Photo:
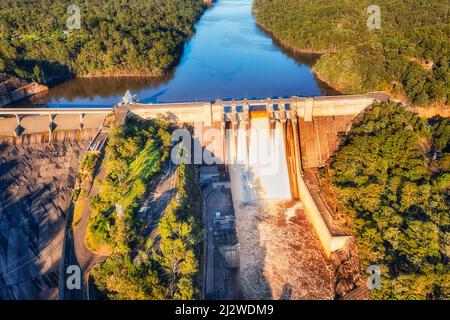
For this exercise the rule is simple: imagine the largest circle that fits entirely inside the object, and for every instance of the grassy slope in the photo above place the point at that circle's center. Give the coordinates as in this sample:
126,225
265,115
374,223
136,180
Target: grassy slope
142,168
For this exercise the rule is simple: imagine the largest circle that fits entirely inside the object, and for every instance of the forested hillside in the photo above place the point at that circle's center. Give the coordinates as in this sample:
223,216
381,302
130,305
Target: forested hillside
140,269
130,37
409,55
391,176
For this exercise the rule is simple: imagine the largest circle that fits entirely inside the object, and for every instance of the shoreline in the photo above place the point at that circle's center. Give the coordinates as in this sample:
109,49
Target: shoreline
150,74
305,52
286,45
26,91
429,111
337,88
126,74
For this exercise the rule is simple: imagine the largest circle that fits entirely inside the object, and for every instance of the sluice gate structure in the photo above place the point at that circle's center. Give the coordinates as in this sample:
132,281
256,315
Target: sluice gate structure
303,134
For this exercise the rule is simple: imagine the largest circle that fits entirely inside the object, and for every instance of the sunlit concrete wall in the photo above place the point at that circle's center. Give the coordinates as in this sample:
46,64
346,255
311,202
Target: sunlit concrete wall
32,124
304,108
329,242
307,108
191,112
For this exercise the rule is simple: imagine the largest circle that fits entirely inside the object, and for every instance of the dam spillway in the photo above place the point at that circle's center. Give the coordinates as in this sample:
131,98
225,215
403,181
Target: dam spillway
258,167
272,149
311,130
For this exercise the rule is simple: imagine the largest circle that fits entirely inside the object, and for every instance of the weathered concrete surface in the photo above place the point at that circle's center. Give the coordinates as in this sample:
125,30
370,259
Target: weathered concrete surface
32,124
36,184
281,260
331,237
43,138
305,108
320,138
312,129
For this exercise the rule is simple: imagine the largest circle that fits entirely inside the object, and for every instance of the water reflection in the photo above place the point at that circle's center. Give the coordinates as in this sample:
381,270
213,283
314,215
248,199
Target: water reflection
229,57
96,91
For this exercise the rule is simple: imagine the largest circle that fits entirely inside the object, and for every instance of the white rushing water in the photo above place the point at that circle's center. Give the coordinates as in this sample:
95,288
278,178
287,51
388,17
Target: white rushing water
258,171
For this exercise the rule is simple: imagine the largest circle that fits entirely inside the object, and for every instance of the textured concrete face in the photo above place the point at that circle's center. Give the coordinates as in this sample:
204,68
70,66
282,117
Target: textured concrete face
36,184
320,137
305,108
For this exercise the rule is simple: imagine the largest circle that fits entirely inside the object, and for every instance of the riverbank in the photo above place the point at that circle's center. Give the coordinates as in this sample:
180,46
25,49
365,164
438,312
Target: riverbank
228,58
312,54
126,74
428,111
13,89
354,58
114,39
286,45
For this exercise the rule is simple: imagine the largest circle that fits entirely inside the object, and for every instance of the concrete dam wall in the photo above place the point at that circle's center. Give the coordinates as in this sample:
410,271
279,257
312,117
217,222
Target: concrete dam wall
40,156
36,185
31,139
311,131
41,151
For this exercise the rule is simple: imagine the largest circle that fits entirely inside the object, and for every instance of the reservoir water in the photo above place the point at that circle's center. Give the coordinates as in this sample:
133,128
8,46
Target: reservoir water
229,57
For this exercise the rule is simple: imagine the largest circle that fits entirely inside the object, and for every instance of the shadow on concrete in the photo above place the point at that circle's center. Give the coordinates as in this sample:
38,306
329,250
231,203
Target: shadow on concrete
36,184
30,243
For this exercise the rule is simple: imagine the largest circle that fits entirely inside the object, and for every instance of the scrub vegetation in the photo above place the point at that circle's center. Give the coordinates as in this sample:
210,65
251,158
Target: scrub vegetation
86,175
391,176
136,153
143,264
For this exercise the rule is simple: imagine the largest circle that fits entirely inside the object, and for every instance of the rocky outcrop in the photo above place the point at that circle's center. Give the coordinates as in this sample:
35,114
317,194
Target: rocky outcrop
14,89
347,270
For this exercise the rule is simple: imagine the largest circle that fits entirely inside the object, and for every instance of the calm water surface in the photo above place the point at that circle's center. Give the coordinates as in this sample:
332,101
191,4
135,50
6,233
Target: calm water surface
229,57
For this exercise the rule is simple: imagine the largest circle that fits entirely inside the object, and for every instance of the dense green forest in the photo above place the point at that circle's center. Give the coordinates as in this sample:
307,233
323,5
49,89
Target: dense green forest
126,37
145,265
136,154
409,55
392,176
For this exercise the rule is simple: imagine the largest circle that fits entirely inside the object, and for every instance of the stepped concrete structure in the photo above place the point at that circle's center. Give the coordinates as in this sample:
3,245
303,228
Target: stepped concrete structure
40,154
36,186
19,123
